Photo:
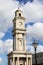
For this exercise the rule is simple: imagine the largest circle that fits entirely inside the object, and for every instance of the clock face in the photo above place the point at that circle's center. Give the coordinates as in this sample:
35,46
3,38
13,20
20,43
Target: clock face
20,23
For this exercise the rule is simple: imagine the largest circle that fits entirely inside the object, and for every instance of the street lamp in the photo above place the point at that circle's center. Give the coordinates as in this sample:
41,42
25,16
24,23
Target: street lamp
35,46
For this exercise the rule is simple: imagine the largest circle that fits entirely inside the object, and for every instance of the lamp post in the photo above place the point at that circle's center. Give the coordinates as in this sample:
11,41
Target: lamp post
35,46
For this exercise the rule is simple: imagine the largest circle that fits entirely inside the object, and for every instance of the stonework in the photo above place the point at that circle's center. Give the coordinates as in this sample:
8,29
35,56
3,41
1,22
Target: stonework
19,56
39,58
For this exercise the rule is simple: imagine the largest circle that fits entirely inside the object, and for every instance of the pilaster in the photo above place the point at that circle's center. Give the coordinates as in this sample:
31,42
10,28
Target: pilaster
8,61
13,61
27,61
31,61
17,60
25,42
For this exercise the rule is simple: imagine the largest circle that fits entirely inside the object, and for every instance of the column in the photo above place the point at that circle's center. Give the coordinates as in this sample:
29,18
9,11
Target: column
13,61
24,42
26,61
13,42
17,60
8,61
30,61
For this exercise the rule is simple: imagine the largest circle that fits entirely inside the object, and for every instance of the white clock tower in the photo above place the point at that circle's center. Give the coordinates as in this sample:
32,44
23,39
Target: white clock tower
19,32
19,56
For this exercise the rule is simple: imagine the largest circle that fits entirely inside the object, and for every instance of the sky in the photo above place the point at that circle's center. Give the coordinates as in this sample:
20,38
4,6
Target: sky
33,12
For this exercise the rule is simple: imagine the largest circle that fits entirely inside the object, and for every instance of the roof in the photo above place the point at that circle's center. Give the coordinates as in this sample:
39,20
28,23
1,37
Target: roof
19,9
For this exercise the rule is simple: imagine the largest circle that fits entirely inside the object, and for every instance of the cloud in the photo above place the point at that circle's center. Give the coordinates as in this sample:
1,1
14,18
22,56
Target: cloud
32,11
1,34
6,46
1,46
31,49
40,48
1,43
41,1
35,31
7,9
0,59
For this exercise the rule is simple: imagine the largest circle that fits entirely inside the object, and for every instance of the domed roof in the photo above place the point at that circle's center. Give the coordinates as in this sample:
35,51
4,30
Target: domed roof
19,9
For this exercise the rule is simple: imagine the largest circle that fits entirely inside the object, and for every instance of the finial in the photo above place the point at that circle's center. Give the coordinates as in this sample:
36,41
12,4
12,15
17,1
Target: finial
19,6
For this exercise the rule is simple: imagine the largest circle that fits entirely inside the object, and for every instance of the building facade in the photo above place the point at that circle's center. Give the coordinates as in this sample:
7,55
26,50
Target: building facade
39,58
19,56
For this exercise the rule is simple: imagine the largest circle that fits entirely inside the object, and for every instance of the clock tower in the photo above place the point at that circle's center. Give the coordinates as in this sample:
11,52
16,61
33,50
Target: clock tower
19,55
19,32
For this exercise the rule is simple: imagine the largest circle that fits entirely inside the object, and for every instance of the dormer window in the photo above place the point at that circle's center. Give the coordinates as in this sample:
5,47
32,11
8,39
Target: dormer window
19,14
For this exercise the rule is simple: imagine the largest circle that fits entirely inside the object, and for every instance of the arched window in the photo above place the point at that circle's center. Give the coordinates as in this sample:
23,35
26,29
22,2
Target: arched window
19,14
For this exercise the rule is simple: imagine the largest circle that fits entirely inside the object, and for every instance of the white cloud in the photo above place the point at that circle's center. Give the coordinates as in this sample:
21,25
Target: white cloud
1,43
35,31
40,48
6,46
8,42
32,11
31,49
1,35
0,59
41,1
7,9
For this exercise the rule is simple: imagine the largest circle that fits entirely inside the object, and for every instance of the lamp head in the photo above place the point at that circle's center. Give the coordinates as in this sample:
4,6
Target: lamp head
35,44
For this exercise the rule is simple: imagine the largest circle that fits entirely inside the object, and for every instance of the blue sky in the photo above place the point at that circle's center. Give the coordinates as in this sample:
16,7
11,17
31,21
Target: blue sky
33,12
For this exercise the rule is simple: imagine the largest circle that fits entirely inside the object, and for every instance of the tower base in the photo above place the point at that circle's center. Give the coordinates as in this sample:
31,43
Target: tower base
19,58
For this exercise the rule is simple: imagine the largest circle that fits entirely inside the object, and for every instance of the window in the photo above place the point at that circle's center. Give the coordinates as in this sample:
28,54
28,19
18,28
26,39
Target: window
21,64
19,14
40,55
